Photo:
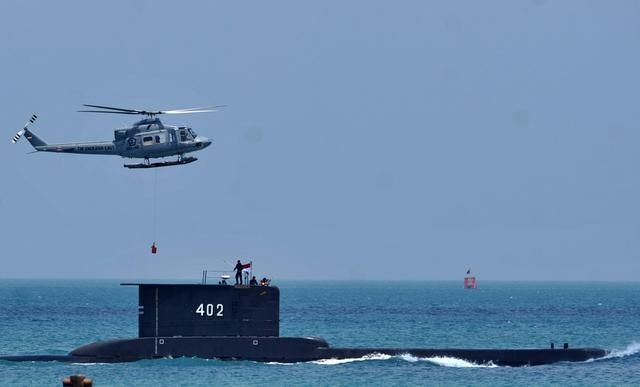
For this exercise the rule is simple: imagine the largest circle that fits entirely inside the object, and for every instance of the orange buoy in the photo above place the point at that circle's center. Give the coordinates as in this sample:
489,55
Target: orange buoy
154,248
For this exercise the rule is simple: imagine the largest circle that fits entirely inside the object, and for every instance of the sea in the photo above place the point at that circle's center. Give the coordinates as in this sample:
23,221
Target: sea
55,316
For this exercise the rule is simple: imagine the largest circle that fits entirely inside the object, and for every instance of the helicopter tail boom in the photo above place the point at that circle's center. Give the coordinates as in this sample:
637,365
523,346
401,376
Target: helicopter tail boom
34,140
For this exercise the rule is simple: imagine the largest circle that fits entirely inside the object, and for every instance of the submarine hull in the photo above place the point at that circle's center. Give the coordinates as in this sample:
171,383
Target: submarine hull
500,357
265,349
242,322
293,350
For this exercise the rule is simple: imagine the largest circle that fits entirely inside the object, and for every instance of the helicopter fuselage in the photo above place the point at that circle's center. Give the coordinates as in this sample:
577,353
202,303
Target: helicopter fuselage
146,139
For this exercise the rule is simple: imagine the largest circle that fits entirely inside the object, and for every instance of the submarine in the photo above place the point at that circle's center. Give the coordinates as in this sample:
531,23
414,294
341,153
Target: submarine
219,321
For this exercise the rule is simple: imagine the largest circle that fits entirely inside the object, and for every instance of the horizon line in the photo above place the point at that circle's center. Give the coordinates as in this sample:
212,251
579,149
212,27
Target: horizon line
318,279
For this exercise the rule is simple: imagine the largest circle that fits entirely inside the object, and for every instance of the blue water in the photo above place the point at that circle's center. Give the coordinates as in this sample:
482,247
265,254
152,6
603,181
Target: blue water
53,317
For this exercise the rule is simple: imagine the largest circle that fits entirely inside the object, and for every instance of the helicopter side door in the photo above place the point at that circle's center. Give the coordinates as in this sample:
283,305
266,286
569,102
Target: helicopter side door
156,144
173,140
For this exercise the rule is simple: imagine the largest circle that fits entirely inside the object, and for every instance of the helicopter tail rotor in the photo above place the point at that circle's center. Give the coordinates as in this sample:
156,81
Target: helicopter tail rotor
24,128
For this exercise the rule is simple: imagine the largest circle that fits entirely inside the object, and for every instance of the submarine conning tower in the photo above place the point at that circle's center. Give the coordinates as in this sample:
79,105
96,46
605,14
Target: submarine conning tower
174,310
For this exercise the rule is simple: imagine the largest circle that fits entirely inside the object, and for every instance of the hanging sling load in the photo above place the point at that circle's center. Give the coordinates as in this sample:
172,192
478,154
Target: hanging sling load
154,247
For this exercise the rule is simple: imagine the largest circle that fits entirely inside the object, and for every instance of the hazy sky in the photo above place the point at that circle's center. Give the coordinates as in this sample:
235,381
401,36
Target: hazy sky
362,139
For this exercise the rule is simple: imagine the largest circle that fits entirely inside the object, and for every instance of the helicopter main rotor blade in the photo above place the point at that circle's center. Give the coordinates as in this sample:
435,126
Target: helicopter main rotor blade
202,107
206,109
105,111
115,110
135,111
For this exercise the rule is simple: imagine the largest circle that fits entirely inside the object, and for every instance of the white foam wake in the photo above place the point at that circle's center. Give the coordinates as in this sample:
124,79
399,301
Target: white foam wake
279,363
373,356
436,360
445,361
631,349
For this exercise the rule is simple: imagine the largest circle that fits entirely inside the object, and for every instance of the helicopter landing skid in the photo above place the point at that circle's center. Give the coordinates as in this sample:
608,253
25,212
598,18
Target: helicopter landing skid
181,161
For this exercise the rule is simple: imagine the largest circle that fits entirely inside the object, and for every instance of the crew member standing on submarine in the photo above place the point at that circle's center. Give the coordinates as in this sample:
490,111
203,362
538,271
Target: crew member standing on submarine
238,270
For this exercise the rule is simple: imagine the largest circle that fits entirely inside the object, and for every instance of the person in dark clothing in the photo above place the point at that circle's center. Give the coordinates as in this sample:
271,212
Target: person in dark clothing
254,281
238,270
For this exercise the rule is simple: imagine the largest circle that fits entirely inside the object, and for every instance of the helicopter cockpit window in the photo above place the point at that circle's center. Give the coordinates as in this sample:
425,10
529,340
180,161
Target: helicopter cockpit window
183,135
193,134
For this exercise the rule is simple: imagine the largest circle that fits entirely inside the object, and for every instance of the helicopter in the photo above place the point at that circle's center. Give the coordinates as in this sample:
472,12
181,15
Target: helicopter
145,139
